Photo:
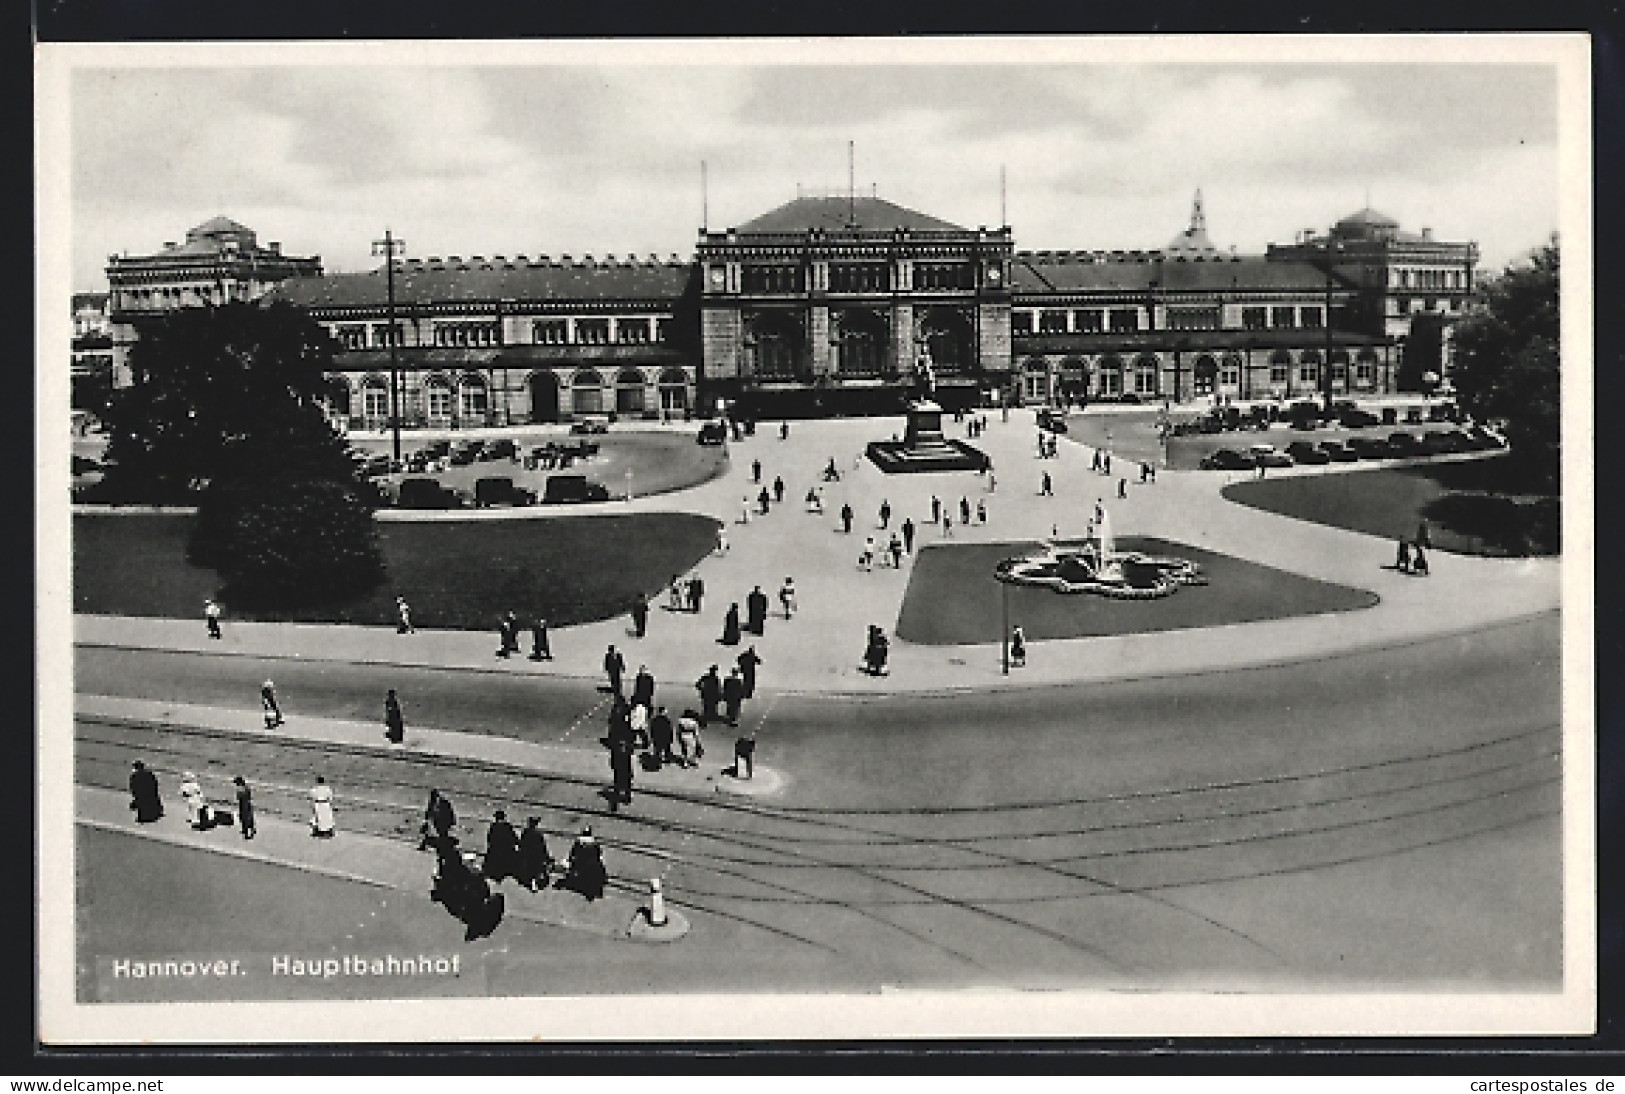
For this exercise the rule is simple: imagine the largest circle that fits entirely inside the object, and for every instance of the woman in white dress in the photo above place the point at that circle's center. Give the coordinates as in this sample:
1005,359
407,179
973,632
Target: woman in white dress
321,809
192,795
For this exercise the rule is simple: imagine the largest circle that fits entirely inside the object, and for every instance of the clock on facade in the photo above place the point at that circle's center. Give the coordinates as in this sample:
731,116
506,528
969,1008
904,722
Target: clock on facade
993,275
717,276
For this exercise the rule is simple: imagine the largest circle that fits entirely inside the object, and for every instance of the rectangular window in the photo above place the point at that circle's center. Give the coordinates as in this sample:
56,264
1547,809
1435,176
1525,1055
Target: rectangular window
860,277
1278,372
1283,317
1052,322
662,330
550,332
351,336
1254,318
1229,375
1021,322
632,332
940,275
467,334
1091,320
1193,318
1310,318
592,332
1362,372
1125,319
380,335
1308,373
772,279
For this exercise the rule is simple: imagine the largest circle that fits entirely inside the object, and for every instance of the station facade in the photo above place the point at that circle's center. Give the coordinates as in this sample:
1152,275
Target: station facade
839,304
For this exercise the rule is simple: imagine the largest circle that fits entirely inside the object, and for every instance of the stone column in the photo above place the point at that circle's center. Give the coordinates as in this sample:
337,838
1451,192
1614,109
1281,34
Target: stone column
903,351
821,353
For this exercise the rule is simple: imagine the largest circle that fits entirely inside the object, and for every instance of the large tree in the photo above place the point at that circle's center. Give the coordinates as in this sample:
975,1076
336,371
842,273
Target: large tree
1507,359
226,413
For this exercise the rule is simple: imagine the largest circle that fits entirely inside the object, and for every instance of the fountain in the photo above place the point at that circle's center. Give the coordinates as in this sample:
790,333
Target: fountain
1094,565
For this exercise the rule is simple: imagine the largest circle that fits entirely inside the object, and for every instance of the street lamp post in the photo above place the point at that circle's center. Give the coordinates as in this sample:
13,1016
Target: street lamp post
1326,365
1004,625
389,246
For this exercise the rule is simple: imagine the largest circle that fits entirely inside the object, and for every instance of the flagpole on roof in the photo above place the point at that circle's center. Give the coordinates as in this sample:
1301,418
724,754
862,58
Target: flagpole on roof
851,185
705,200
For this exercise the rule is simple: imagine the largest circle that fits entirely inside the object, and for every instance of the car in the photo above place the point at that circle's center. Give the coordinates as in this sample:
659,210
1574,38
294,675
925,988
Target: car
1404,444
563,489
1369,448
1355,418
501,491
466,453
590,425
1484,440
503,448
1272,458
1338,452
713,433
427,494
376,465
1052,420
437,450
1307,453
1227,459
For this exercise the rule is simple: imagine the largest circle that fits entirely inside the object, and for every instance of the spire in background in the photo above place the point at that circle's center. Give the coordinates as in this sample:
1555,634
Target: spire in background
1193,240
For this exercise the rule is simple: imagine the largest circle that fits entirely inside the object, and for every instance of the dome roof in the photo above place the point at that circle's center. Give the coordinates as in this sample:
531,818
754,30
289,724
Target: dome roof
1368,218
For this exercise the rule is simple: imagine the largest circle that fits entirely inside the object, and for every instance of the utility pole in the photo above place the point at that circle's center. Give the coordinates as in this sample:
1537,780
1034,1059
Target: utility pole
389,246
1326,368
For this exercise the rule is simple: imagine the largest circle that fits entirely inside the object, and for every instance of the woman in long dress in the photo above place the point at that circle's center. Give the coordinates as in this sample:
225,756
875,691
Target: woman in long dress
144,797
322,824
730,626
192,795
394,722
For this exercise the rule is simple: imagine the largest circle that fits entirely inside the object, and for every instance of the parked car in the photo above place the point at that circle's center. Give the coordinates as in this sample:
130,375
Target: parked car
1052,420
572,488
1369,448
1267,455
1306,452
1404,444
714,432
592,423
1338,452
427,494
502,449
437,450
466,453
375,465
1227,459
1355,418
501,491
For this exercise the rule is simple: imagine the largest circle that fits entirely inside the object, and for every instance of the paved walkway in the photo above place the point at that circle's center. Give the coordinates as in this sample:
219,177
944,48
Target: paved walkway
820,648
374,860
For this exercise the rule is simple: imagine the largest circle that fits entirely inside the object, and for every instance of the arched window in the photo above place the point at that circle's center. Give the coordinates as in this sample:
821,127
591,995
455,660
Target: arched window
1280,367
673,390
1110,382
1309,367
587,392
437,402
375,402
629,391
1205,373
473,399
1147,369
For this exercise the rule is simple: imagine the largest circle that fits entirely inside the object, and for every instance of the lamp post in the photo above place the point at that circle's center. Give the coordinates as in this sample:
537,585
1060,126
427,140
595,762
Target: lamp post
389,246
1004,626
1326,365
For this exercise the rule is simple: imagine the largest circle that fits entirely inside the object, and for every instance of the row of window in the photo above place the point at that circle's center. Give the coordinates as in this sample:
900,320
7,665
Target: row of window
1431,279
1127,320
1403,304
547,332
856,277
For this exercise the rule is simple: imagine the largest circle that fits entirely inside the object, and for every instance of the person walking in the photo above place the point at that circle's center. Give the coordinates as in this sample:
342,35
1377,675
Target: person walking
733,696
1402,558
1122,488
1018,648
1094,461
787,597
730,626
403,617
981,511
764,501
245,808
895,548
585,872
438,817
394,722
501,849
661,736
748,661
908,535
936,509
947,524
756,611
885,512
696,593
866,561
643,688
744,509
534,861
674,596
268,705
709,687
846,518
508,633
211,616
689,746
540,650
778,490
1046,487
322,822
756,471
992,481
964,510
192,796
145,800
1419,560
614,668
640,615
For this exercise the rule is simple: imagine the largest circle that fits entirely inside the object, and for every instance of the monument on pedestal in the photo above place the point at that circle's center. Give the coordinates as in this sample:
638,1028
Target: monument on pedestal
923,447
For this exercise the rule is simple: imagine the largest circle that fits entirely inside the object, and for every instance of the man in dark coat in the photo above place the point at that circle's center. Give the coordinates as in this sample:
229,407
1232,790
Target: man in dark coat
144,797
764,501
508,632
643,687
587,875
710,688
747,670
756,471
501,848
620,766
846,518
733,694
394,721
730,626
540,650
778,489
661,736
640,614
964,510
534,860
439,817
756,611
885,512
696,593
614,668
245,808
908,534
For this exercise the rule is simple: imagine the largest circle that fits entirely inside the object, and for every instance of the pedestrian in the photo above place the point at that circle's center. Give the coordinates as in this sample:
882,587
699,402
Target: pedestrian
614,668
936,509
1262,467
674,595
730,626
638,723
981,512
540,650
964,510
755,471
885,512
394,722
992,481
787,597
1106,464
211,616
620,723
501,849
1423,537
696,593
745,758
144,797
815,504
1018,648
908,535
784,431
1122,488
245,808
640,615
747,662
438,817
866,561
1419,560
756,611
643,688
778,490
192,797
1094,462
875,652
895,548
585,872
268,704
534,862
688,739
947,525
661,736
846,518
733,695
764,501
1402,559
322,823
1046,487
507,634
744,509
709,687
403,617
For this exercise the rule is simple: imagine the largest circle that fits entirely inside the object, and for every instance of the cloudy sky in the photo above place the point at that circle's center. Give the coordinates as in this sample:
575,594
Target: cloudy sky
559,158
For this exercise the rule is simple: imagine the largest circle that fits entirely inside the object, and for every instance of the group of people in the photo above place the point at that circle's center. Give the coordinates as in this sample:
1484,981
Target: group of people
1412,554
508,637
1049,446
756,609
146,801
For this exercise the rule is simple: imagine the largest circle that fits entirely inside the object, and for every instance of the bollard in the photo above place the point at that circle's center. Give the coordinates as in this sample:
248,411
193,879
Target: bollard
657,904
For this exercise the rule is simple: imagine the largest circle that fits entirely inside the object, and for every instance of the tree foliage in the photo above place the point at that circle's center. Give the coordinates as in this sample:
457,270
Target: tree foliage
1507,358
226,413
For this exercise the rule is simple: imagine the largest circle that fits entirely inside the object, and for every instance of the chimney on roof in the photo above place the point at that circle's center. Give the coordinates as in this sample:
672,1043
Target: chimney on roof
273,246
1427,233
169,245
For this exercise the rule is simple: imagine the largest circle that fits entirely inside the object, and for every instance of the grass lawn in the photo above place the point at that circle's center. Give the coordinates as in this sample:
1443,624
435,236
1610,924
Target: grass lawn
953,597
1476,507
459,575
